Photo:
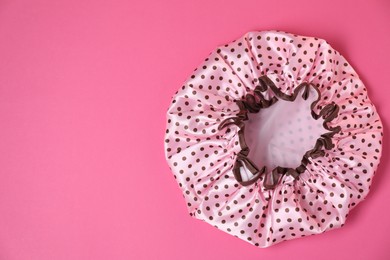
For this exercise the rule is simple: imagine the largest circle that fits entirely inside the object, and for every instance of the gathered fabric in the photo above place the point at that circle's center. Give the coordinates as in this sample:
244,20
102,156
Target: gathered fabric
273,137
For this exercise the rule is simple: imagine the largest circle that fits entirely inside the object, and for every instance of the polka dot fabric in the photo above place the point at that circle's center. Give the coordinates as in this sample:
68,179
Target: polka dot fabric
201,155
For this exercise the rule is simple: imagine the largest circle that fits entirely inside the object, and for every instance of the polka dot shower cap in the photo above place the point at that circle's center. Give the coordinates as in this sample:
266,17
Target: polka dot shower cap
273,138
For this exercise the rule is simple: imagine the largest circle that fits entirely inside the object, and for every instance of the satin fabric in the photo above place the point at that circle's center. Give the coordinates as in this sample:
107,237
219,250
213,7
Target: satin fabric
201,157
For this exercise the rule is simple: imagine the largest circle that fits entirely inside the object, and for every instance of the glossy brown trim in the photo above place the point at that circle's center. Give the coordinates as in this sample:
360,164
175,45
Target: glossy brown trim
253,103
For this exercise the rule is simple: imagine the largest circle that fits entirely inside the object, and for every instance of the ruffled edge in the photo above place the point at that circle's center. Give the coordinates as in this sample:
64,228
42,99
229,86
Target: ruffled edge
253,103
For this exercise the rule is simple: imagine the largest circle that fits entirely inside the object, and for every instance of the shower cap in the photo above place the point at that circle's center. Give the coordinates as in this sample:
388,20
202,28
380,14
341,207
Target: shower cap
273,137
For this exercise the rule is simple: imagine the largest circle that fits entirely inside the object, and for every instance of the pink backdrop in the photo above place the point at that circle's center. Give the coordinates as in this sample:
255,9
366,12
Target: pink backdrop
84,87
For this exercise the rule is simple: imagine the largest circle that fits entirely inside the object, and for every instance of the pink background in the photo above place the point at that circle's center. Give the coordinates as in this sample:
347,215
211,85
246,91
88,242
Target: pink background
84,87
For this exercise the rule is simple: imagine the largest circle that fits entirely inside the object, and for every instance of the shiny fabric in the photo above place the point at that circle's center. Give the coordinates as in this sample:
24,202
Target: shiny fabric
201,155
